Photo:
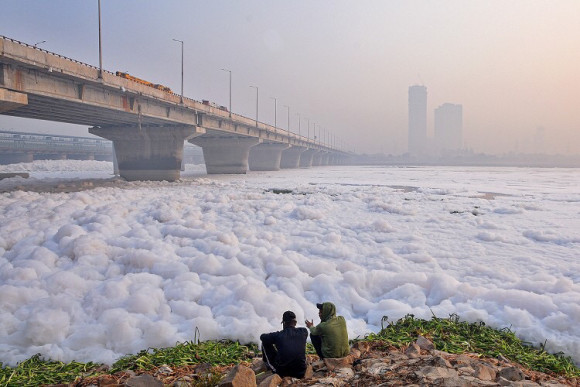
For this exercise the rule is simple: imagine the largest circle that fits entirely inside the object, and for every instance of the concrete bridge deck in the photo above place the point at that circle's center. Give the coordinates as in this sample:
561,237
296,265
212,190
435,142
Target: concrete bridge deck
147,125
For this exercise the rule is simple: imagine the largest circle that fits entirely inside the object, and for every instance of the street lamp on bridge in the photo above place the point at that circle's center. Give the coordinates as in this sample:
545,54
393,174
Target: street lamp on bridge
256,87
37,43
229,71
100,45
288,129
181,41
298,114
275,111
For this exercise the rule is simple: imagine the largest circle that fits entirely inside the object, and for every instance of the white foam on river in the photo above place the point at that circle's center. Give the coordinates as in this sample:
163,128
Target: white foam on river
103,272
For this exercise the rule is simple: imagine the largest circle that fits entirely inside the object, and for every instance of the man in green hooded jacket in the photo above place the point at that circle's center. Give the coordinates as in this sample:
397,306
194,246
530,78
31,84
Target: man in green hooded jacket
329,338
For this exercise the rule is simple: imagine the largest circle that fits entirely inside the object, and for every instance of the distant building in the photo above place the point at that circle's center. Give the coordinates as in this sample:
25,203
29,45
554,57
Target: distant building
417,120
449,127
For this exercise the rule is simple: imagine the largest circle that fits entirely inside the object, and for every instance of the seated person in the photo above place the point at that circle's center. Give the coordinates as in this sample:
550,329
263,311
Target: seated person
329,338
284,352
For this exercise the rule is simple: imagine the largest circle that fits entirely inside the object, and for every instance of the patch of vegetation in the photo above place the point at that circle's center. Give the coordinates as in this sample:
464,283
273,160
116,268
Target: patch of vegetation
37,371
188,353
448,334
455,336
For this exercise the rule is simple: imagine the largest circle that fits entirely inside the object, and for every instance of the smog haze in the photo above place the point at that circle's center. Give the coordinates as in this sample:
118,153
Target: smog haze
344,65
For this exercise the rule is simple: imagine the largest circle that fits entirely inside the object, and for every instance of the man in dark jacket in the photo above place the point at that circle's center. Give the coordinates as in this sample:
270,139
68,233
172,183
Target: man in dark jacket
329,338
284,352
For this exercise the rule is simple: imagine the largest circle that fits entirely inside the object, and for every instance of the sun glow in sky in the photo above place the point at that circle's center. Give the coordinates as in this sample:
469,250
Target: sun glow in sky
344,65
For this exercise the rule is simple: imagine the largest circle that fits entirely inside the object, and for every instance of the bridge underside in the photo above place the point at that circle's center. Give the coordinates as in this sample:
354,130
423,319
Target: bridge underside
76,112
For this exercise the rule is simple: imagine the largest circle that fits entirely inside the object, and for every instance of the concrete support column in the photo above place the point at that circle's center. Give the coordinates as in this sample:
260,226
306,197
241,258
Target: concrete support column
306,158
324,158
225,154
291,157
266,156
148,153
316,159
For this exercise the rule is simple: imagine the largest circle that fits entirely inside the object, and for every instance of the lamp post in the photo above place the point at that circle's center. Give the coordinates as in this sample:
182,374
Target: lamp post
314,134
298,114
37,43
181,41
275,112
256,87
308,132
229,71
288,107
100,46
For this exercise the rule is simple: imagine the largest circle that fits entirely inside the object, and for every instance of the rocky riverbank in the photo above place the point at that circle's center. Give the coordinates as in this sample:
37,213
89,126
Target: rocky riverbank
369,364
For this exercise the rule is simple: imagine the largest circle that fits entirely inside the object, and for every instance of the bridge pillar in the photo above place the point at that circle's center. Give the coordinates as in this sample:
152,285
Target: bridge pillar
148,153
225,154
291,157
266,156
317,159
307,157
324,158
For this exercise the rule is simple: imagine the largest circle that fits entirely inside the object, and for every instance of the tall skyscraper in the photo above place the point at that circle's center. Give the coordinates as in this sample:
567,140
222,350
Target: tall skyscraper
417,119
449,127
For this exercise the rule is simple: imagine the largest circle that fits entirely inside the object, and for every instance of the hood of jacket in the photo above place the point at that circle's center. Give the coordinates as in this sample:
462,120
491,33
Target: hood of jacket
328,311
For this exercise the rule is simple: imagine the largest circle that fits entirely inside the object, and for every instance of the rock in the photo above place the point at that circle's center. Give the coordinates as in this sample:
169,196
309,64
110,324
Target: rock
309,372
318,365
434,373
273,380
362,346
262,376
144,380
425,344
338,362
344,373
484,372
413,351
258,366
239,376
355,353
512,374
164,370
502,359
203,368
439,361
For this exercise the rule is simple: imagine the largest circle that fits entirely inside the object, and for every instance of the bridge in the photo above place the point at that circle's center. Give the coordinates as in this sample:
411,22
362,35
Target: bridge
19,147
146,123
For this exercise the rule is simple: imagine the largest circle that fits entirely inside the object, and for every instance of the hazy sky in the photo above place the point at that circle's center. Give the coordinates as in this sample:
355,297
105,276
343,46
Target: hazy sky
347,65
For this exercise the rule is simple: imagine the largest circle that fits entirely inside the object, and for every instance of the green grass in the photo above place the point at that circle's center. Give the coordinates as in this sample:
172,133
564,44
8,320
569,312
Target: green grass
455,336
448,334
188,353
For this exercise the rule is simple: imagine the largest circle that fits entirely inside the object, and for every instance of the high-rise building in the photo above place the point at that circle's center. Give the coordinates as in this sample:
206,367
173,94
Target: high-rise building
417,119
449,127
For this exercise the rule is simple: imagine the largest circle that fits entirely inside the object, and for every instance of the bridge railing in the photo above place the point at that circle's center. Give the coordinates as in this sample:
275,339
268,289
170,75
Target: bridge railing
52,53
